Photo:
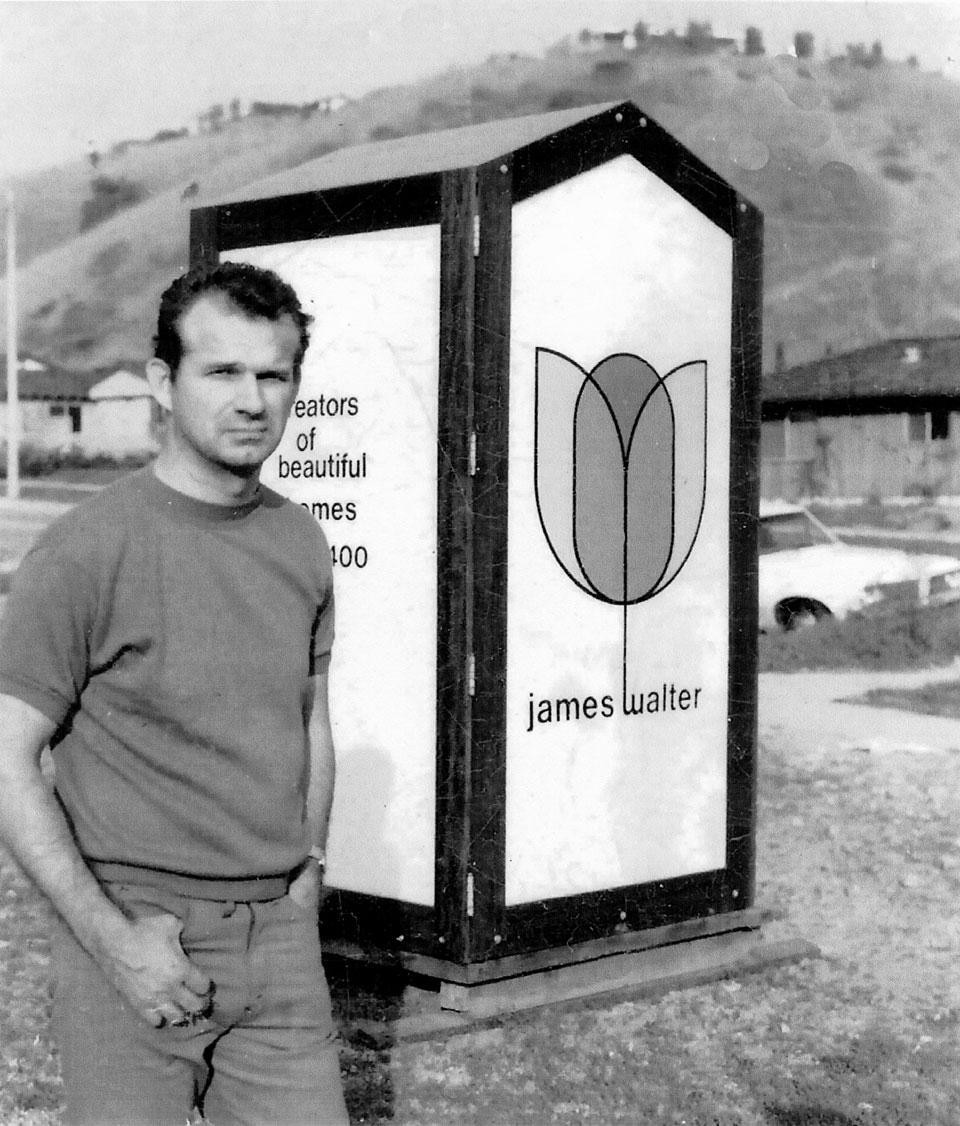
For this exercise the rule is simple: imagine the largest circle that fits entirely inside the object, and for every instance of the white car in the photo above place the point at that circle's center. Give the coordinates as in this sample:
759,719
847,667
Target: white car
807,572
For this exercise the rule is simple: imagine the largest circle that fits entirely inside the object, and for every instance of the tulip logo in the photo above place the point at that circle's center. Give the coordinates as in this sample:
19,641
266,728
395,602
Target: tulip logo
620,471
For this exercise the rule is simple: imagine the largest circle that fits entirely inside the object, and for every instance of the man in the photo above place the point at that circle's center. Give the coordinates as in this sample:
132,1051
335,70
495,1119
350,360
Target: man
170,640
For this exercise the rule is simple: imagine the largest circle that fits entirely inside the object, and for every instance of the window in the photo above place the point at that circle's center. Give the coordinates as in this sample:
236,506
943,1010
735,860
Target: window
940,424
57,410
74,412
774,438
791,530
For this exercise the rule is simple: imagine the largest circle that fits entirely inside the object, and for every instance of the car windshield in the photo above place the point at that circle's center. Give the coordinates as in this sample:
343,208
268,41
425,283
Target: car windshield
788,531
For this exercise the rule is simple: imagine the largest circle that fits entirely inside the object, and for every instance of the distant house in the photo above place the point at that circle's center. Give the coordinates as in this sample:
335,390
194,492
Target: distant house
110,411
333,103
591,42
878,421
708,45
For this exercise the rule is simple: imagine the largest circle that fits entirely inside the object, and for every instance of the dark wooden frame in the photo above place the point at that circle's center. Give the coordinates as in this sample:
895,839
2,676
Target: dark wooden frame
470,931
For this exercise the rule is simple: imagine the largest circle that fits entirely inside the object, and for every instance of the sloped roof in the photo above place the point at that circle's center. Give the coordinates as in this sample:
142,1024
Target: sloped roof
418,154
907,367
121,385
53,383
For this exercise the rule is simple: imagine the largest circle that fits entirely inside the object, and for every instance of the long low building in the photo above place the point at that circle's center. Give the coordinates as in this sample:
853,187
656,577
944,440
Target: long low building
109,411
882,420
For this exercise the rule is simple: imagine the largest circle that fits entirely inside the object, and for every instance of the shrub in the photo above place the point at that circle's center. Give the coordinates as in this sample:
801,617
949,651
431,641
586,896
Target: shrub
899,173
36,461
848,99
568,99
170,135
612,70
110,195
383,133
909,637
275,109
109,260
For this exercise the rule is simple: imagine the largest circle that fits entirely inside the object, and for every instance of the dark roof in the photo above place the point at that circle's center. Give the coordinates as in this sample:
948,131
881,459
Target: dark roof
51,384
465,147
909,367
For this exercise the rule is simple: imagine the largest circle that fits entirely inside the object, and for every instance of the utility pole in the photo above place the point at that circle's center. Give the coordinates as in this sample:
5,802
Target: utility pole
13,394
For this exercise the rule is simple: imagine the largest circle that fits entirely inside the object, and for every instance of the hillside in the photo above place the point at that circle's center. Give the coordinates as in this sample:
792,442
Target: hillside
856,169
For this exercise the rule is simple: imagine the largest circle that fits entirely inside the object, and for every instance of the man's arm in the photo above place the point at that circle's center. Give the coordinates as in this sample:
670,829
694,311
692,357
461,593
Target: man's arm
142,958
306,886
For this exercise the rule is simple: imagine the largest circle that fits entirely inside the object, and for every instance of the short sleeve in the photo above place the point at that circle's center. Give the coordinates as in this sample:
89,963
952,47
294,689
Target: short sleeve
321,638
46,626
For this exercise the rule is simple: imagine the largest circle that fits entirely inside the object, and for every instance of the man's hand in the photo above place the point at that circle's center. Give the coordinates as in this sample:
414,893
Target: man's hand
306,888
147,965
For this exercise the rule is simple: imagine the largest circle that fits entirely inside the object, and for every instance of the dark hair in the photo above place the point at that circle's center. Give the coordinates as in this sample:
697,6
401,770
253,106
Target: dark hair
254,290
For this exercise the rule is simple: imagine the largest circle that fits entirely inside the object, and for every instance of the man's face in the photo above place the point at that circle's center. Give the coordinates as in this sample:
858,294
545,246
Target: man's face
232,393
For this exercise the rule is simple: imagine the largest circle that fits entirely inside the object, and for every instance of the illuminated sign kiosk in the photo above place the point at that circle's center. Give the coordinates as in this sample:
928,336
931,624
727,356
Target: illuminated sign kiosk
528,425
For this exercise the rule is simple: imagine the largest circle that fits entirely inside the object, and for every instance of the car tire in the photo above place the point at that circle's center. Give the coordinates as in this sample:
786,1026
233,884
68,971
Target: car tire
799,613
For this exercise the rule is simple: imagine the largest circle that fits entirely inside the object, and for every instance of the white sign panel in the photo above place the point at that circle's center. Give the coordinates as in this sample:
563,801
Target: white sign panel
617,632
360,453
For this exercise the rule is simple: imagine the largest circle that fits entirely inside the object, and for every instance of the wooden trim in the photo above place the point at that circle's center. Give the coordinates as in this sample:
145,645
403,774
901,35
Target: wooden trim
204,236
775,410
592,916
538,961
410,202
378,926
624,130
487,792
454,562
745,370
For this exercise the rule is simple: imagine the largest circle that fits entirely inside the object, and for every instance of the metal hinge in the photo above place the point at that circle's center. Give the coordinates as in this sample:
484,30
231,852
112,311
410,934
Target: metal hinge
476,236
469,895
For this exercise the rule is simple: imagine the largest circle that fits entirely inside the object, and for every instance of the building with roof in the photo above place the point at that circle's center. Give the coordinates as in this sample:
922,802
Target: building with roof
883,420
108,411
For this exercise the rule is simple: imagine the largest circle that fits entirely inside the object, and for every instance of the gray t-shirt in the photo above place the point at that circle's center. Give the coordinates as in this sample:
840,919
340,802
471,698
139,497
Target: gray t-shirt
173,641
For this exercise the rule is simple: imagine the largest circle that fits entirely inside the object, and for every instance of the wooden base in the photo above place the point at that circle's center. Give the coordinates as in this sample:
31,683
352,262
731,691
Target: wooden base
438,1007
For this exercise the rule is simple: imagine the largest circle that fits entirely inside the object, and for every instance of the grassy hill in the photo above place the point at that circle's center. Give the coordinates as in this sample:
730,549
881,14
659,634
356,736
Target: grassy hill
857,170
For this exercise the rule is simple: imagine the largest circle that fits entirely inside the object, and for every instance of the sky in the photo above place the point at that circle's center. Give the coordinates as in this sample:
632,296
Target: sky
77,75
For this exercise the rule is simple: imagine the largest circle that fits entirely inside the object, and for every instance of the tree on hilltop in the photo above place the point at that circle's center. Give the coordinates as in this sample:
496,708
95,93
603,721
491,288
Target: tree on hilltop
753,42
803,44
699,36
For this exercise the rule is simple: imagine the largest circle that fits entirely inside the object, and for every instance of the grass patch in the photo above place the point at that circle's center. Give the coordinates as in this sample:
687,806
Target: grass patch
911,638
70,462
29,1075
919,515
939,699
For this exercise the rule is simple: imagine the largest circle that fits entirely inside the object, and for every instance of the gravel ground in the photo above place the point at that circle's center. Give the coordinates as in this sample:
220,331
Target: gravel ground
858,847
861,853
